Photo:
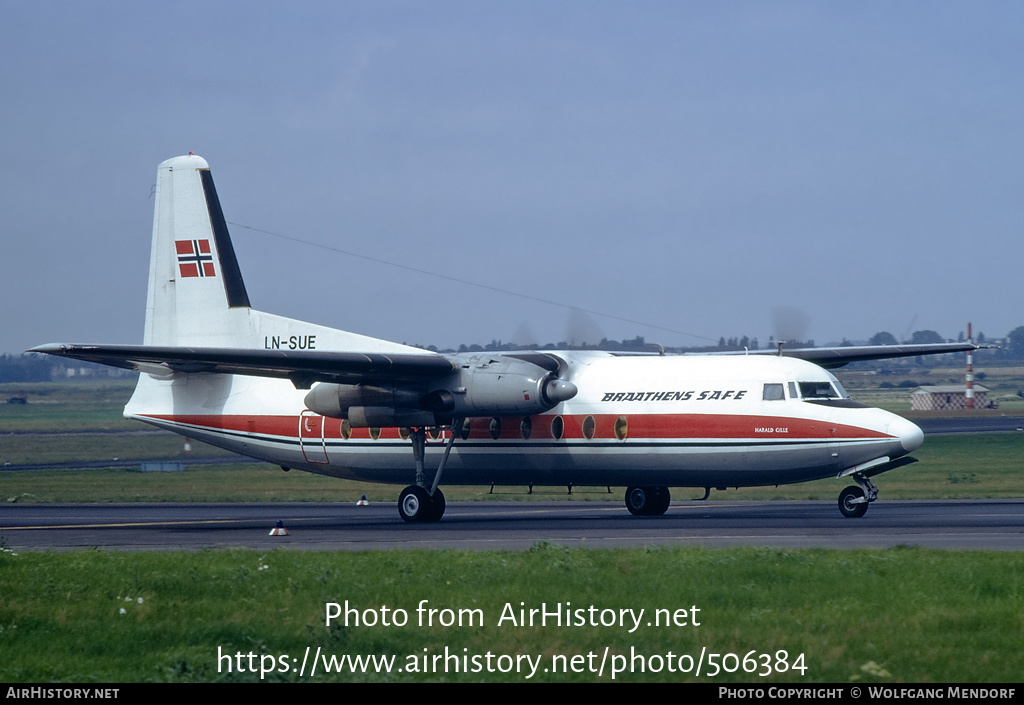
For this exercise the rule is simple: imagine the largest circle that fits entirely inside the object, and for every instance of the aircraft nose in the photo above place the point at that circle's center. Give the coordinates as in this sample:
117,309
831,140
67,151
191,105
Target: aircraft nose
910,434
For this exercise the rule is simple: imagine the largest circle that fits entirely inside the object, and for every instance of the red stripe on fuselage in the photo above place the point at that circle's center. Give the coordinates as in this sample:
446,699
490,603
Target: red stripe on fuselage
638,426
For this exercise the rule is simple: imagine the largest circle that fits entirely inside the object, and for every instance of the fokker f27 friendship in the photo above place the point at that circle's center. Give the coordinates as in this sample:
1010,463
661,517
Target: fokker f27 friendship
336,403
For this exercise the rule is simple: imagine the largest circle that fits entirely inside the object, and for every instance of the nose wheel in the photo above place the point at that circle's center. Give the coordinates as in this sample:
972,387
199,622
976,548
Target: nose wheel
854,500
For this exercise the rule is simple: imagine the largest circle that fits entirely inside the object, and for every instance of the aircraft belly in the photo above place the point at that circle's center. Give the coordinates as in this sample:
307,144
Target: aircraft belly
663,464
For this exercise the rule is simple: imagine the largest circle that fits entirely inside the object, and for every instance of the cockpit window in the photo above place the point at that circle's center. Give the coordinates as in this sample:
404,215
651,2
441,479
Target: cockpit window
818,390
773,392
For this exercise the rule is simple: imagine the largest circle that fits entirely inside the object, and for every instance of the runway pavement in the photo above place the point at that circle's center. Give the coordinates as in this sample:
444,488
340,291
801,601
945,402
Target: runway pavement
949,524
967,424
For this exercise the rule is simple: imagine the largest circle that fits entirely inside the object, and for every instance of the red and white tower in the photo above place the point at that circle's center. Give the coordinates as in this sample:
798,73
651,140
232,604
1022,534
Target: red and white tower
969,396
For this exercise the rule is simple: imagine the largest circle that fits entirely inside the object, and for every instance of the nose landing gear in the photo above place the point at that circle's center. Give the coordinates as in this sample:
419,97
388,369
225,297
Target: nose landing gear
853,501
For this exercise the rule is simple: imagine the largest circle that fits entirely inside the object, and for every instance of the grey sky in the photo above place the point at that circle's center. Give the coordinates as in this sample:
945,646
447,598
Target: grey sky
688,164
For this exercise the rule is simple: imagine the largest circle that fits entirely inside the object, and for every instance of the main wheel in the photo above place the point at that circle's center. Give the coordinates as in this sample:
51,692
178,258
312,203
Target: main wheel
638,499
647,501
848,506
437,506
414,504
664,497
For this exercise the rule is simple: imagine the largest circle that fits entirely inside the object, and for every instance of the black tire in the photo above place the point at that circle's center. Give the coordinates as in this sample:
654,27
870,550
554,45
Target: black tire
664,497
638,499
647,501
848,507
437,506
414,504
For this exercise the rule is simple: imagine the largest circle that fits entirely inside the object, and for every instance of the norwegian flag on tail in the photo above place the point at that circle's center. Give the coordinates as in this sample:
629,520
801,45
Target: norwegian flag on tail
194,258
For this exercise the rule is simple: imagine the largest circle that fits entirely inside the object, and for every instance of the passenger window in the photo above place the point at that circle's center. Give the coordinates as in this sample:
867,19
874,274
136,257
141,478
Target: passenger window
773,392
589,427
557,428
621,428
525,428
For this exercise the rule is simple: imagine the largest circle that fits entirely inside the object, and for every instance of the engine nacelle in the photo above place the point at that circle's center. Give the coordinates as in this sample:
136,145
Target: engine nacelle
499,386
387,416
335,400
482,386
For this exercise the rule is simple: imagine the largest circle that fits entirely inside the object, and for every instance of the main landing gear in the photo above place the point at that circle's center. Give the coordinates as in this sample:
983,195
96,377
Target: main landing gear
853,501
417,503
647,501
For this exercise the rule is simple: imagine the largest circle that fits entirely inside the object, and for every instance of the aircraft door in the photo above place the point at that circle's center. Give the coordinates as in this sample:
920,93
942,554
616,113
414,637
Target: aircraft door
834,446
311,437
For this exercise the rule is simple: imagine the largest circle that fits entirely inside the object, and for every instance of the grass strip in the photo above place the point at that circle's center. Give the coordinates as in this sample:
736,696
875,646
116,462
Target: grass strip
903,614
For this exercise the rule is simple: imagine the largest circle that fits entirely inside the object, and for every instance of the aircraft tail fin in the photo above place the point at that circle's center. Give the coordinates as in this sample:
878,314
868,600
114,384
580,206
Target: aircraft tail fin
194,277
196,294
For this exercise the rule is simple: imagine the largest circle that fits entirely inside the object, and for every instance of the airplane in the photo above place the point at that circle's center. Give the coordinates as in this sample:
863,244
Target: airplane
336,403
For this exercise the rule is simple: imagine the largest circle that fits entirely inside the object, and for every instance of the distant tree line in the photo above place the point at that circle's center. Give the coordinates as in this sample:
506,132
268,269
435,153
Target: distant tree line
34,367
30,367
25,368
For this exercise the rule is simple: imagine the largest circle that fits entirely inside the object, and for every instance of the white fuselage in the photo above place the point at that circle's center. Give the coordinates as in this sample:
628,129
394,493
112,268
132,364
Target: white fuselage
698,421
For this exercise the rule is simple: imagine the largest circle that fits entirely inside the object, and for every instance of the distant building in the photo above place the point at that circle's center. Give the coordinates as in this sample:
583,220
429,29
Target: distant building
949,397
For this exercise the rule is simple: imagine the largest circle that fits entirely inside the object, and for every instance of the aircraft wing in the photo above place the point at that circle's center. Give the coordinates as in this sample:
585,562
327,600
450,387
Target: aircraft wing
302,367
837,357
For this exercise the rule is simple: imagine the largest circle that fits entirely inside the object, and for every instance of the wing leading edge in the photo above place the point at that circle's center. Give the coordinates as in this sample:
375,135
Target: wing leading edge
830,358
301,367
